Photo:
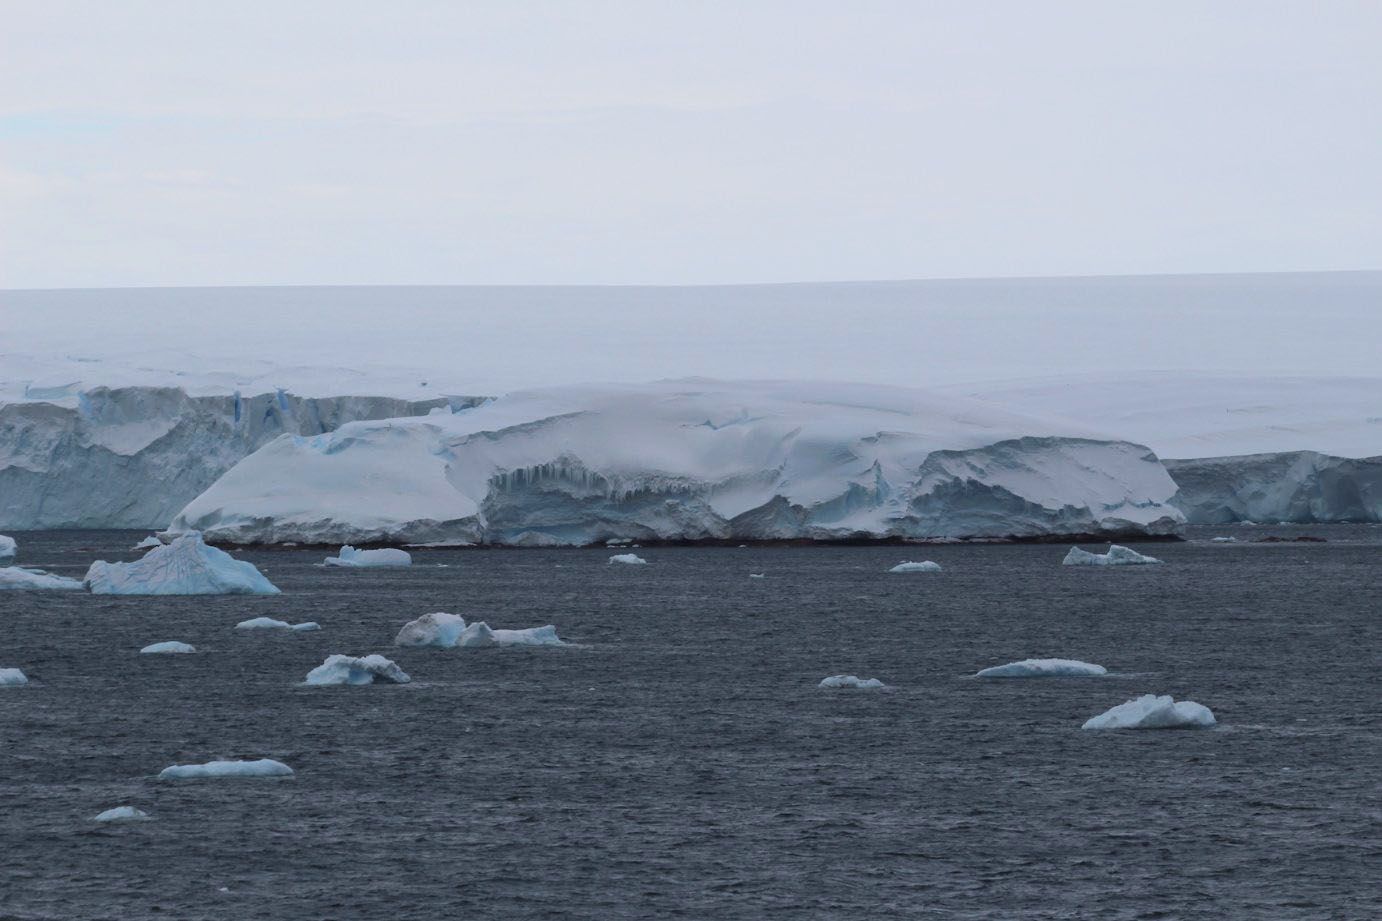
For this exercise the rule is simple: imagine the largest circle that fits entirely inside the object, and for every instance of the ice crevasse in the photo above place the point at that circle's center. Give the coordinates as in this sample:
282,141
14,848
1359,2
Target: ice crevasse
691,460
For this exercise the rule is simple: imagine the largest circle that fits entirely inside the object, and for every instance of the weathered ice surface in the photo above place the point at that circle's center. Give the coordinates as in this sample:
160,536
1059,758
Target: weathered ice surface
690,460
1296,486
131,457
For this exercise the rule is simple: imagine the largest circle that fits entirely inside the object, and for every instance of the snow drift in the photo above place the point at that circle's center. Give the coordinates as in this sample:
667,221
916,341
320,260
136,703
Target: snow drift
263,767
1152,712
1116,556
20,579
691,460
850,681
340,669
386,556
1044,668
447,631
187,566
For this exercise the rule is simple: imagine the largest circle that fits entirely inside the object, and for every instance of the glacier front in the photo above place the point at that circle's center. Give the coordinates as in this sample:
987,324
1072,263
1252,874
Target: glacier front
691,460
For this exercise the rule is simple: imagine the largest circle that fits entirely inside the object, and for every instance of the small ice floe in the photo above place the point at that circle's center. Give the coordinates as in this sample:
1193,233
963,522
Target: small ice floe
263,767
187,566
171,646
8,548
17,578
632,559
851,681
386,556
757,575
123,814
269,623
1152,712
1223,540
923,566
12,678
1044,668
450,631
340,669
1116,556
148,543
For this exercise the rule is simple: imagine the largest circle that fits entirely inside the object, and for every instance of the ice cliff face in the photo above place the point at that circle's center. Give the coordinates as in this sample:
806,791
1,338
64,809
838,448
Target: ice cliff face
131,457
691,460
1295,486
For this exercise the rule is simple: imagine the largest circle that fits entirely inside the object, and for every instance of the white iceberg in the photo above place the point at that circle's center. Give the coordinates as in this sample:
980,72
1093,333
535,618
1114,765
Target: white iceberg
8,549
632,559
12,678
148,543
1116,556
1223,540
851,681
187,566
340,669
1044,668
758,575
479,635
16,578
692,460
123,814
269,623
385,556
438,629
924,566
263,767
169,647
1152,712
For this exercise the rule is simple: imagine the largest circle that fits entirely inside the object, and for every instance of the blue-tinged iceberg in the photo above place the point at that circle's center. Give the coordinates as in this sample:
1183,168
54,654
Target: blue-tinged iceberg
1152,712
1044,668
187,566
339,669
384,556
262,767
17,578
1116,556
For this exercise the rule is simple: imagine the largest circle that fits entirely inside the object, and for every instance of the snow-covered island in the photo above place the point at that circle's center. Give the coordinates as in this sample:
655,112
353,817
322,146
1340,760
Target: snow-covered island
691,460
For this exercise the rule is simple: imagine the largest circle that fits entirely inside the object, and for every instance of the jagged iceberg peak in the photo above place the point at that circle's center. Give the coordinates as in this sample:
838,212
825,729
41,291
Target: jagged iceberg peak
18,578
339,669
187,566
1116,556
383,557
9,549
1152,712
688,460
1044,668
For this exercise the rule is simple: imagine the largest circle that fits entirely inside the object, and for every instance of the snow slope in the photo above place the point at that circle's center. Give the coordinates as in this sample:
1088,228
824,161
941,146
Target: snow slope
690,459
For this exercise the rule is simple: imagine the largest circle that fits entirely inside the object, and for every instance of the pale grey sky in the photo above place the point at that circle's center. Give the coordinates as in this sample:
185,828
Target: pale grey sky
175,143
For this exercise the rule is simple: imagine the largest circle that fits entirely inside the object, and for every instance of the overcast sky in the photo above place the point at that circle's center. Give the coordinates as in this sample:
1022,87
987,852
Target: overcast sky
333,142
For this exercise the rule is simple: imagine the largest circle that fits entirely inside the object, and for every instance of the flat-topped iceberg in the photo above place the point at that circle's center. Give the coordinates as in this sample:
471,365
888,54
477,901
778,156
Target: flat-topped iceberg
923,566
691,460
9,549
384,556
450,631
16,578
631,559
123,814
262,767
851,681
339,669
1116,556
1044,668
269,623
187,566
1152,712
12,678
172,647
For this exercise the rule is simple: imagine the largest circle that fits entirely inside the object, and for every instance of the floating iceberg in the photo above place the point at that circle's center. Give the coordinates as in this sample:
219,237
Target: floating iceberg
123,814
1152,712
187,566
386,556
1044,668
171,646
438,629
148,543
632,559
692,460
12,678
1116,556
1223,540
925,566
851,681
263,767
479,635
758,575
8,549
340,669
268,623
19,579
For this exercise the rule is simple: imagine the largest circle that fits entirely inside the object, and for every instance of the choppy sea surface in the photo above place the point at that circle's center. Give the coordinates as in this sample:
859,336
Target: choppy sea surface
680,761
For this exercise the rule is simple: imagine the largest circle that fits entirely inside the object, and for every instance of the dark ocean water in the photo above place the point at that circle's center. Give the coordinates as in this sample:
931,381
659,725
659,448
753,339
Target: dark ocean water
680,762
